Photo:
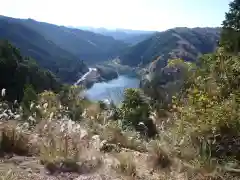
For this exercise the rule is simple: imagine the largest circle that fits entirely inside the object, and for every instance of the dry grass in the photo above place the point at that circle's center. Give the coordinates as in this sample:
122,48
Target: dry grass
59,148
159,157
126,164
9,175
14,139
92,111
113,133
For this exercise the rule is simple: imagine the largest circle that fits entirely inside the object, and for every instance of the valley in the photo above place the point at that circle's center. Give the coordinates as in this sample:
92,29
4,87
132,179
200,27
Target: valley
70,52
85,103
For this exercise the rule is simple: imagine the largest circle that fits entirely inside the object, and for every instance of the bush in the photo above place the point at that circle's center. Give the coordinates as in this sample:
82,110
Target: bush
208,111
70,97
29,97
61,145
14,139
134,111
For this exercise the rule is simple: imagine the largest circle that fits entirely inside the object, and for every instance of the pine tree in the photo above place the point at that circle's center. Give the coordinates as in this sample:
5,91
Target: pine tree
230,37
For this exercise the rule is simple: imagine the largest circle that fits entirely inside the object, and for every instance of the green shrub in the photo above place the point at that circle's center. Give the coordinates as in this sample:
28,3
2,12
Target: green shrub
29,97
208,110
135,110
70,97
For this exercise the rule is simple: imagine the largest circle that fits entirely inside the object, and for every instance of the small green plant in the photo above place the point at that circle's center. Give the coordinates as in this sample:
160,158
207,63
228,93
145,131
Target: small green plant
29,98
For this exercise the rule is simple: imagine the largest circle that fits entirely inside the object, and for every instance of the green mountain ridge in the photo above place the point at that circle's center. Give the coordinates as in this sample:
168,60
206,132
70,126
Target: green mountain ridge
185,43
86,45
62,63
64,51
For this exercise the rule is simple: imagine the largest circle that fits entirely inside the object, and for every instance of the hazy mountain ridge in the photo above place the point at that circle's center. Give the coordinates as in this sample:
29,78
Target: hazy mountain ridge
127,35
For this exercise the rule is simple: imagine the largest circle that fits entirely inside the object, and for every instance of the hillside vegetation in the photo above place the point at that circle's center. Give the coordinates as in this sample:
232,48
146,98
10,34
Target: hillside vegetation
17,71
48,55
194,135
185,43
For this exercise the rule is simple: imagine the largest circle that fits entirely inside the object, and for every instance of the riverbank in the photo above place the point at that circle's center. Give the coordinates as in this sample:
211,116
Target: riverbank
96,74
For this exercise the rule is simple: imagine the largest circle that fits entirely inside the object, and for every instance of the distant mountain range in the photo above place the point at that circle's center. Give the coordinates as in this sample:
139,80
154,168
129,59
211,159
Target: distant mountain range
67,51
127,35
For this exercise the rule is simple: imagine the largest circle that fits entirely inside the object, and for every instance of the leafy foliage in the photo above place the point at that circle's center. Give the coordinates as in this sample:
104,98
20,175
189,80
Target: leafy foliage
29,97
167,82
135,111
208,111
73,102
230,37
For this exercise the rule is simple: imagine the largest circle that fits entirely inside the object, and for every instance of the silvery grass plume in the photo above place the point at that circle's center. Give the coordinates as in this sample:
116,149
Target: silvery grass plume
22,127
65,126
3,93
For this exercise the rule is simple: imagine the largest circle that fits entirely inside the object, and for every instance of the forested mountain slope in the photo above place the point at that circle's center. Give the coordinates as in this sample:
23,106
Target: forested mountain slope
31,43
86,45
16,71
64,51
185,43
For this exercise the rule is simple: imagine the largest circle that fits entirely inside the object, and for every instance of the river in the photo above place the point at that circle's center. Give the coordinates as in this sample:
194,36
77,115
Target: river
112,89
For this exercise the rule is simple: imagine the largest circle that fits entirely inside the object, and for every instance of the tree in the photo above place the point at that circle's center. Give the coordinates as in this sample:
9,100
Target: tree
29,97
135,110
230,36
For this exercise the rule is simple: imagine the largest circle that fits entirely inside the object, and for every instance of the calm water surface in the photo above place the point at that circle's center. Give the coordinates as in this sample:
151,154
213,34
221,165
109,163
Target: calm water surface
112,89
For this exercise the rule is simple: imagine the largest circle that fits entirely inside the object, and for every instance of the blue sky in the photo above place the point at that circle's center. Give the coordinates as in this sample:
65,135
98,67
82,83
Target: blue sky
129,14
